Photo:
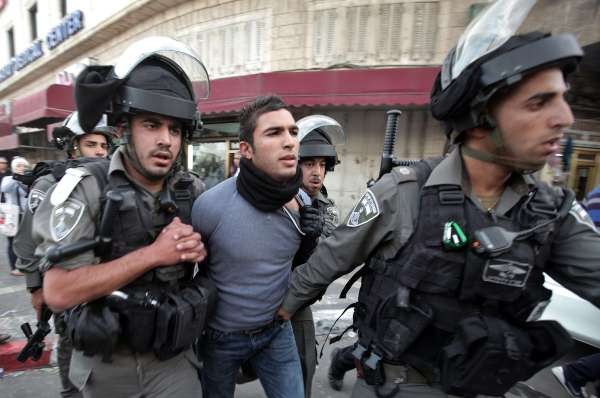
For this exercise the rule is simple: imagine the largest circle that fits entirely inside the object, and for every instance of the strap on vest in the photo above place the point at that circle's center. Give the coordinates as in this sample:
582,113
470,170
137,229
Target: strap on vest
332,326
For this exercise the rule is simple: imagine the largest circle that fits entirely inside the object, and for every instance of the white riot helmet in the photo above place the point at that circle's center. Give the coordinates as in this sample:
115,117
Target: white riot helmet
65,136
318,136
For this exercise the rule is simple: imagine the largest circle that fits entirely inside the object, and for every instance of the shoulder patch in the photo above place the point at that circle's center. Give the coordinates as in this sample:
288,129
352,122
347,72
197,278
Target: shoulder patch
66,185
403,174
34,199
65,217
365,210
581,215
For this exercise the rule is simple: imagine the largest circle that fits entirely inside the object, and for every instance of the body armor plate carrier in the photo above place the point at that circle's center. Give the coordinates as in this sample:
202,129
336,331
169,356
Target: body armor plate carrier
459,316
164,310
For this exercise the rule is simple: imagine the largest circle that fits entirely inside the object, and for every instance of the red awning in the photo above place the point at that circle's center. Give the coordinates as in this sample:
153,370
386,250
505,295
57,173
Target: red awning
5,125
347,87
47,106
10,141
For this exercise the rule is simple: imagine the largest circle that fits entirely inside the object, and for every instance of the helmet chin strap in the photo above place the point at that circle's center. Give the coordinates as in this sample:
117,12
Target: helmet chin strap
499,156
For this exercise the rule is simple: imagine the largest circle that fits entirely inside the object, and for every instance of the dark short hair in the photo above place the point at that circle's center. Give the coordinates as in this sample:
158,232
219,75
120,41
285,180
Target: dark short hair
253,110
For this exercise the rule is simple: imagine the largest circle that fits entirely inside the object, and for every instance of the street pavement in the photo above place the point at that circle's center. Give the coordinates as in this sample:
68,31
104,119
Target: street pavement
44,383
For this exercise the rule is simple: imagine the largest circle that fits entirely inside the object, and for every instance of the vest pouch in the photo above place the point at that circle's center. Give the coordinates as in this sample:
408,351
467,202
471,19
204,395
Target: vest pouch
431,270
181,318
93,328
487,356
138,327
398,327
550,342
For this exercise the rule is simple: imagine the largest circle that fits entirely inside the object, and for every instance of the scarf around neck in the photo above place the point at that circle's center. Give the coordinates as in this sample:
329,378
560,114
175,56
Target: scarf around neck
263,192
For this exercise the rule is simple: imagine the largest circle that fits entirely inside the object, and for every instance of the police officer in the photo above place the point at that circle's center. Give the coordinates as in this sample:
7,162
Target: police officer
77,144
132,316
456,248
318,135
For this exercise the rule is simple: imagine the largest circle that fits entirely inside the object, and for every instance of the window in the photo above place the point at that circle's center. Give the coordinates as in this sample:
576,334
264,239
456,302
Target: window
63,8
10,35
33,10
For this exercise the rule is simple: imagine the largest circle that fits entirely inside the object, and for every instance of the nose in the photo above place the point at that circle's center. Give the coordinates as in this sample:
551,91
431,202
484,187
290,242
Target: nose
290,140
164,137
563,117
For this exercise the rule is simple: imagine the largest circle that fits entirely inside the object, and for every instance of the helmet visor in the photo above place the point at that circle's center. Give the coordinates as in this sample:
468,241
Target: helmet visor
326,124
488,31
180,54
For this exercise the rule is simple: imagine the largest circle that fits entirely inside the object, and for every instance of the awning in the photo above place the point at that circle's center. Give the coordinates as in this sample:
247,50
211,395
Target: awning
10,141
345,87
47,106
5,125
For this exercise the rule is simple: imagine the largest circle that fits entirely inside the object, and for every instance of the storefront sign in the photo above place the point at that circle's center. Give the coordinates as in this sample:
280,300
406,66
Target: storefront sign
69,26
72,24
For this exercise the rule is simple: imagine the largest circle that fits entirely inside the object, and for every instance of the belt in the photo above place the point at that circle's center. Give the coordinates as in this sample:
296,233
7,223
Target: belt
397,374
270,325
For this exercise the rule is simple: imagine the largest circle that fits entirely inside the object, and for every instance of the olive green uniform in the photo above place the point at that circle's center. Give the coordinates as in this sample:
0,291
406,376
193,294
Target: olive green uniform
384,220
24,247
303,323
132,375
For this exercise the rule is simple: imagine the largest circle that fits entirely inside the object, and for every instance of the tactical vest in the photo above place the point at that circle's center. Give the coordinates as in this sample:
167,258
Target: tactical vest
163,311
409,306
137,225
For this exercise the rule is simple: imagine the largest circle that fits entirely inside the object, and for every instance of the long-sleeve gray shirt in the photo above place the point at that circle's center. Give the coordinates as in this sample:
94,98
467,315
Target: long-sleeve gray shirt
250,255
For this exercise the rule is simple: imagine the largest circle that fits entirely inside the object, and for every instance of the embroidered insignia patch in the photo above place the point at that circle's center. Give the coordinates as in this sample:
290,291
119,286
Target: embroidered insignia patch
506,272
581,215
65,217
365,210
34,199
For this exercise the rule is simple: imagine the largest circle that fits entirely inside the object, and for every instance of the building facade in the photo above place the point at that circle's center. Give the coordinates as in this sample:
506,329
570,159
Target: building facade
350,59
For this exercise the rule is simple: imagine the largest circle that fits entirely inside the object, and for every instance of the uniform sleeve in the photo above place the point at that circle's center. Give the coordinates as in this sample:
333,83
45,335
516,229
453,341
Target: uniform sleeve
24,245
381,219
71,221
575,255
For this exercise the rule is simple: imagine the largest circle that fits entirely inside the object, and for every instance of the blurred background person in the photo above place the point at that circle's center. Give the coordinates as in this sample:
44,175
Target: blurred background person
14,192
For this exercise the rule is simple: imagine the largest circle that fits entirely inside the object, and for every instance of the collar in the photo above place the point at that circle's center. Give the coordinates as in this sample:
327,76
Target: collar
117,167
451,171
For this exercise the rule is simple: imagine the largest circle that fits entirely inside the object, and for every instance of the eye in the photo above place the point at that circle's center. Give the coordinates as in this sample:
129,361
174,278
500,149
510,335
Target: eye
175,131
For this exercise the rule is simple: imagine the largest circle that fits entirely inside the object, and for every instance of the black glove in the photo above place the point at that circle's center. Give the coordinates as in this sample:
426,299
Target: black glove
311,222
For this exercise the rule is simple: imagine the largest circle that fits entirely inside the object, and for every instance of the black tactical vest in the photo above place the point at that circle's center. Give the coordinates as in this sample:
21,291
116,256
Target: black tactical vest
137,225
409,305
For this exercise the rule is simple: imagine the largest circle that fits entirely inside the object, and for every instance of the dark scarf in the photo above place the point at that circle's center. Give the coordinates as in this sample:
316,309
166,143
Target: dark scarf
262,191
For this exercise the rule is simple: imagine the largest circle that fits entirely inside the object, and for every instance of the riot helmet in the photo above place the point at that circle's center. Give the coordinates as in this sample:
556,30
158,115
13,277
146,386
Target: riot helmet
318,136
154,75
489,57
66,136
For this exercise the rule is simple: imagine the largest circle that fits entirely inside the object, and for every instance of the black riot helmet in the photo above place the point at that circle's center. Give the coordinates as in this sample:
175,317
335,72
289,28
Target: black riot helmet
489,58
156,75
318,135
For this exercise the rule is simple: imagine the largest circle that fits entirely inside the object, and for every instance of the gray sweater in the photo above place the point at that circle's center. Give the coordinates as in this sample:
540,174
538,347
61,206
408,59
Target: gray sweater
250,255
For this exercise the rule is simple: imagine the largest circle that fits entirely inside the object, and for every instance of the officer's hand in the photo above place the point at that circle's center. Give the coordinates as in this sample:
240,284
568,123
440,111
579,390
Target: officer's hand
311,221
37,300
283,314
177,243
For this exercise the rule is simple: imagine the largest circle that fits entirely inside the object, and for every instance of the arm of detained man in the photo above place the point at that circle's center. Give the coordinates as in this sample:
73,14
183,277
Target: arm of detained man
575,256
381,218
81,278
